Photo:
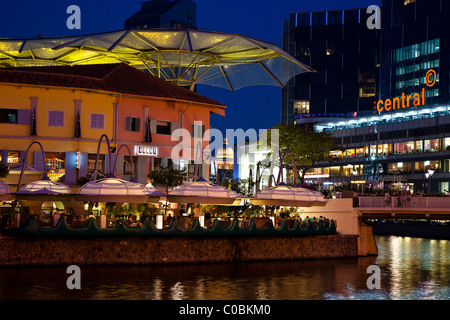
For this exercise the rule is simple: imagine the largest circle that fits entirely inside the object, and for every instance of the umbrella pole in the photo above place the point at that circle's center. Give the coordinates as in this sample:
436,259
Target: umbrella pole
25,161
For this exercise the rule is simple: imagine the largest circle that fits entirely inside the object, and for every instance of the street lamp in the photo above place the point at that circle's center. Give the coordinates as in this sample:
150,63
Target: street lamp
429,174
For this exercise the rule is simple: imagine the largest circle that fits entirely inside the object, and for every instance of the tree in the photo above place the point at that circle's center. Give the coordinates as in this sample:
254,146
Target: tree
167,178
304,149
4,171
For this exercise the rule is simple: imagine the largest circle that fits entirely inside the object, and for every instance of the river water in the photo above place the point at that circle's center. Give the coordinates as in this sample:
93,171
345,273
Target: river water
410,269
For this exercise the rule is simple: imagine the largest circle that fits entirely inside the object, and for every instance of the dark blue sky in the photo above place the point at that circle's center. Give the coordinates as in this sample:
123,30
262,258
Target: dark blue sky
254,107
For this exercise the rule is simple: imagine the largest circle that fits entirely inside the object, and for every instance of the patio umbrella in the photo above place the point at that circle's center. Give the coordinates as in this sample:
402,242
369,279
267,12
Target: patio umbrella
283,195
200,191
44,189
185,57
113,189
5,191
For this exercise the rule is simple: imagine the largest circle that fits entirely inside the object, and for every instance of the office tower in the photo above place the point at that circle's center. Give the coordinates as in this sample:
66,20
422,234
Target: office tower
345,53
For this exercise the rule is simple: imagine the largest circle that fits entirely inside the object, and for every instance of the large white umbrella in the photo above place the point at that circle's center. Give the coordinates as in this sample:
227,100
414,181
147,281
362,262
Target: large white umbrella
200,191
283,195
44,189
5,191
113,189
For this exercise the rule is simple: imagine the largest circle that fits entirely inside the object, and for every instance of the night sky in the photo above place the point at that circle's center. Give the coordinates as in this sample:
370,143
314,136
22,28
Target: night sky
254,107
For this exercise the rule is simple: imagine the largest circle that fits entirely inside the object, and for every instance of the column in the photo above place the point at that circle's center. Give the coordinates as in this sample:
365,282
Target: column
82,165
71,168
38,161
5,157
141,170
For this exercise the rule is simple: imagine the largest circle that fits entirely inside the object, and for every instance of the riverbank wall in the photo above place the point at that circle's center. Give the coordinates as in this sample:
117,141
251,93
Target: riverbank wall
39,251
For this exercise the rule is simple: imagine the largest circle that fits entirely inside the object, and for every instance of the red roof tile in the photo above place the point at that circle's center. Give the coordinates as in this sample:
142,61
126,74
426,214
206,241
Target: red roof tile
117,78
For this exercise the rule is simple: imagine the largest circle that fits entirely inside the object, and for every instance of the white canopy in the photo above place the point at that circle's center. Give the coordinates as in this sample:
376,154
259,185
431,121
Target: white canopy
283,195
113,189
229,61
5,191
201,191
44,186
4,188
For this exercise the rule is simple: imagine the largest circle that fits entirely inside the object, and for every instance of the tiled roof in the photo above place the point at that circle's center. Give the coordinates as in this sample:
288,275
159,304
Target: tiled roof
117,78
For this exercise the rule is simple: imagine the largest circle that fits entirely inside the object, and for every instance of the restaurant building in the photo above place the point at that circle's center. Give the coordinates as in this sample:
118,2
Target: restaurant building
68,109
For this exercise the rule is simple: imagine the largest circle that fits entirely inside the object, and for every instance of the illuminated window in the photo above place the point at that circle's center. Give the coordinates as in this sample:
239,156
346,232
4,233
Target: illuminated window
447,144
349,153
406,2
432,145
13,157
367,92
55,165
301,106
337,154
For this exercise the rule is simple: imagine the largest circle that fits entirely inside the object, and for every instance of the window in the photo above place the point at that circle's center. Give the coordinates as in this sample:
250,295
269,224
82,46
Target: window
367,92
133,124
56,118
301,106
13,157
55,165
8,115
97,121
163,127
406,2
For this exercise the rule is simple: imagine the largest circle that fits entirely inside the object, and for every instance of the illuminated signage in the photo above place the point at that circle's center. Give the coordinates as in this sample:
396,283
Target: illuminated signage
405,101
358,181
146,151
316,176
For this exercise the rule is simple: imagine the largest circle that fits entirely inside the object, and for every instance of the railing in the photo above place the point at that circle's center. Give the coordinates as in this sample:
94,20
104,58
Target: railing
92,230
405,202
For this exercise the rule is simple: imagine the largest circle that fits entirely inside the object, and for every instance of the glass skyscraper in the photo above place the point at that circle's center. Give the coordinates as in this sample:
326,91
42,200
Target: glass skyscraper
345,54
414,40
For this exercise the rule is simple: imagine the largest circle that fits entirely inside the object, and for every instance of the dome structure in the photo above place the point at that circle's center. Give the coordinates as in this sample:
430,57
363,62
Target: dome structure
201,191
5,191
225,157
4,188
283,195
44,186
113,189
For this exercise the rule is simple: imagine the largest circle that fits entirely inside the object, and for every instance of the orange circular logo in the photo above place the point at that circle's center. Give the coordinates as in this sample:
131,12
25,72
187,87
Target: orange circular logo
430,78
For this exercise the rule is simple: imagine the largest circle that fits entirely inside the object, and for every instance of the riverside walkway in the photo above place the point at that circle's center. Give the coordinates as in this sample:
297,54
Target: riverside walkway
395,207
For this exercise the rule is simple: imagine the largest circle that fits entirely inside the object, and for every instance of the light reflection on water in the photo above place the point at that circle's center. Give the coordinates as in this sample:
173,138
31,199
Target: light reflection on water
411,268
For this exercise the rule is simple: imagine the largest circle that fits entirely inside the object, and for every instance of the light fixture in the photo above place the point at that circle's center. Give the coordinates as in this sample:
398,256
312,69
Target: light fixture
159,221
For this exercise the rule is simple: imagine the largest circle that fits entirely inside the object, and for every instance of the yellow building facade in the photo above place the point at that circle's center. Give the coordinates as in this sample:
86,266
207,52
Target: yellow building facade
68,110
